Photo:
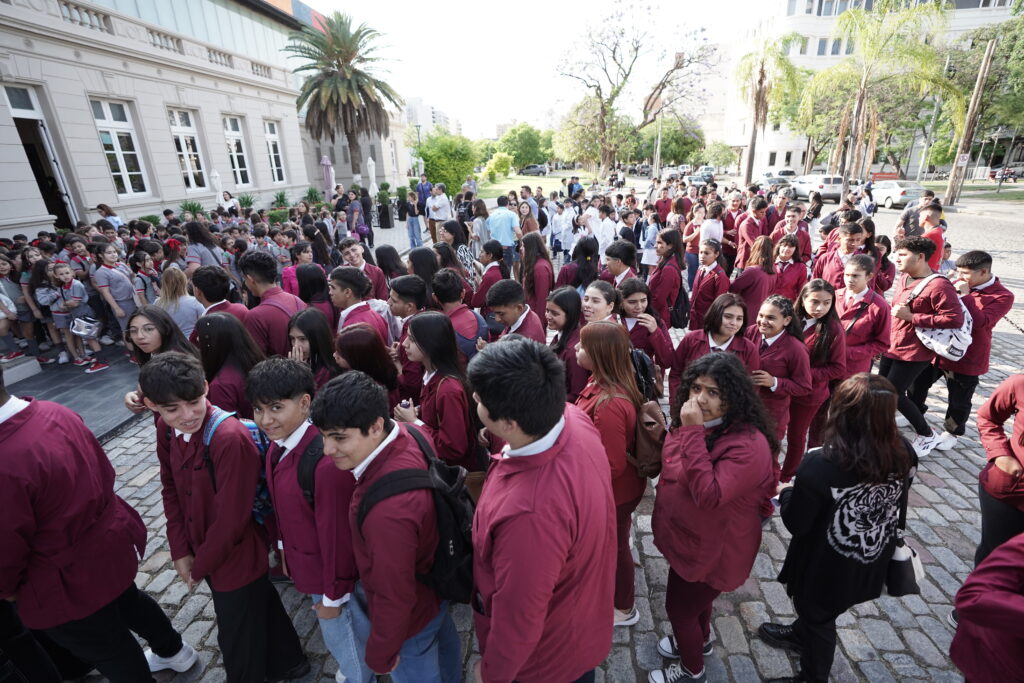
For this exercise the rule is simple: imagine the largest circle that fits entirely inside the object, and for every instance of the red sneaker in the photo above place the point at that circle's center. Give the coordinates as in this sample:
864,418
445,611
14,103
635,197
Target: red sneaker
46,360
81,362
13,355
96,367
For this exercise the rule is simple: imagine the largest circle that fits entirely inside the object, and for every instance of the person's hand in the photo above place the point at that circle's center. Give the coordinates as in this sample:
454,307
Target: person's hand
478,676
899,234
648,322
1009,464
183,565
762,379
902,311
480,343
393,351
403,414
118,311
961,287
323,612
296,354
37,314
690,414
133,402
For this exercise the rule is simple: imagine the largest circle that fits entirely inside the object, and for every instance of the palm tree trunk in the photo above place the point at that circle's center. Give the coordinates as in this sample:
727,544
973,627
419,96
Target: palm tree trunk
355,153
857,115
748,174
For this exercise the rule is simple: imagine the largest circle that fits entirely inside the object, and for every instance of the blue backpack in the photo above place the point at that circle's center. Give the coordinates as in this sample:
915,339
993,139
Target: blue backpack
468,346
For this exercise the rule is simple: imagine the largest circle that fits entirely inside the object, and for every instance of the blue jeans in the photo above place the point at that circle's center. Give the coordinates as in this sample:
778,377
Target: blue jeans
340,639
434,655
510,255
414,229
692,266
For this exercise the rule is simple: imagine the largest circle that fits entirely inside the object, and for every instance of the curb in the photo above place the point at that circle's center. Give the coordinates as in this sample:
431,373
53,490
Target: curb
121,428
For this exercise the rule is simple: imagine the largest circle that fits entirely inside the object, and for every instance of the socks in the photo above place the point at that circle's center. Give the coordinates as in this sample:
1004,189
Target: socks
9,344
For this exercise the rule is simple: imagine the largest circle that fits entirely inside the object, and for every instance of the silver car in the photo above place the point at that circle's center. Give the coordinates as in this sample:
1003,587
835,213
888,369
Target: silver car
896,193
829,186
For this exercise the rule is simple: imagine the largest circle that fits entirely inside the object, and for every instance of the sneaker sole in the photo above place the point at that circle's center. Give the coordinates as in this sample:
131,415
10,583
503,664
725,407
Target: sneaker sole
952,621
667,655
181,667
632,620
92,370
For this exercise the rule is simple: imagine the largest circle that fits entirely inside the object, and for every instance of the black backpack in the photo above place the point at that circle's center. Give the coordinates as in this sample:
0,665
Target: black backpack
451,575
306,472
646,374
680,312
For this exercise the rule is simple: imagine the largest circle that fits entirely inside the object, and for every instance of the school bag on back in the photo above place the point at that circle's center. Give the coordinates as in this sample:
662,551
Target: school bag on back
680,312
646,374
451,575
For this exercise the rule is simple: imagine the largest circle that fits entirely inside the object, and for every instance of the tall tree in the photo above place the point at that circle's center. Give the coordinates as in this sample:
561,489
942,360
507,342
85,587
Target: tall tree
575,140
681,140
342,92
522,143
765,75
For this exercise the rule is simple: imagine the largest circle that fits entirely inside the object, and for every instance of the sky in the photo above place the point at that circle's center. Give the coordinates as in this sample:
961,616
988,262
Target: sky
486,63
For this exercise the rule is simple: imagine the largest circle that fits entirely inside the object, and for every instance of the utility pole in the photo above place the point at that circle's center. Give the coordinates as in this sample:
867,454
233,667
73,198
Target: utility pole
959,172
656,162
931,128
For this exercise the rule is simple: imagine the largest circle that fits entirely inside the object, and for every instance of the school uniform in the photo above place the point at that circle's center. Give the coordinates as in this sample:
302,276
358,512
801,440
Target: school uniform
831,267
754,285
938,306
613,280
885,274
772,217
145,285
492,274
697,343
867,322
1000,494
707,286
664,285
224,306
410,379
118,280
362,313
528,325
544,557
543,281
227,391
730,231
268,321
747,232
566,275
804,251
575,377
790,278
216,527
807,413
444,412
330,312
691,251
785,358
380,283
657,345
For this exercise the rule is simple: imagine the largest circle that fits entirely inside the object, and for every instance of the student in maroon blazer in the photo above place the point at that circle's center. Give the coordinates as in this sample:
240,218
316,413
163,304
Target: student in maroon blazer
407,298
647,331
667,277
731,219
211,285
313,535
791,226
444,402
583,269
864,315
831,266
228,353
543,532
620,262
210,527
71,547
749,229
776,213
410,632
352,251
790,272
711,282
723,330
538,273
717,468
492,256
937,306
267,322
508,302
885,271
564,319
987,301
349,289
447,291
755,283
826,346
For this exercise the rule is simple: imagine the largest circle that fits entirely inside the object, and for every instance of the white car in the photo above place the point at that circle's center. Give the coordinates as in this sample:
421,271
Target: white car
890,193
829,186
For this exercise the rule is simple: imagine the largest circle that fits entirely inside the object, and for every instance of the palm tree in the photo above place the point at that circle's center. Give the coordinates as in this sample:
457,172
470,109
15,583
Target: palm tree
761,73
342,94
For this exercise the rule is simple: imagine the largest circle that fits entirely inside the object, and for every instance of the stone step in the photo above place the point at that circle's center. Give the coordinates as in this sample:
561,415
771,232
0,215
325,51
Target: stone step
22,368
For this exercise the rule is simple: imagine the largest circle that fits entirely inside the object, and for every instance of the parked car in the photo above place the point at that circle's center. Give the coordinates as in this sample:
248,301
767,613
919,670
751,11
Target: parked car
707,172
1004,173
767,181
686,169
534,169
829,186
896,193
670,173
695,180
644,169
785,173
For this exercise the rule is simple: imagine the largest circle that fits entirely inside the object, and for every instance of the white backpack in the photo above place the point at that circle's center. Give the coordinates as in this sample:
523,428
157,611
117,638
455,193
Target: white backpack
948,343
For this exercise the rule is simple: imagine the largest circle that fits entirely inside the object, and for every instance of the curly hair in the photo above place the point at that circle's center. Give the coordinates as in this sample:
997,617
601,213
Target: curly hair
742,402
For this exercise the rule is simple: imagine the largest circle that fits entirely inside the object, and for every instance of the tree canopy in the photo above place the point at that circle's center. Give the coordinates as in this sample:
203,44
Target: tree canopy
447,158
523,143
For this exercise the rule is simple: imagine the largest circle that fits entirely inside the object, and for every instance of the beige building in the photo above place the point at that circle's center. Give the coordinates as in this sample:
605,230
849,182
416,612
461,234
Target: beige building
142,104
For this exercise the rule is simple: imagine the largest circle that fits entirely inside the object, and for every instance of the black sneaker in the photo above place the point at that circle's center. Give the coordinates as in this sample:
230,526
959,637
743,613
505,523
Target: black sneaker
779,635
668,649
297,671
676,673
954,619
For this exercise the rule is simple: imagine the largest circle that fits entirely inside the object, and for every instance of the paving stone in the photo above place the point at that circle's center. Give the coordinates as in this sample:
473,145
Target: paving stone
938,631
649,549
856,644
646,651
775,594
162,581
771,662
196,631
881,634
190,610
743,669
619,665
174,594
923,648
643,524
842,672
731,635
714,666
754,614
876,672
903,665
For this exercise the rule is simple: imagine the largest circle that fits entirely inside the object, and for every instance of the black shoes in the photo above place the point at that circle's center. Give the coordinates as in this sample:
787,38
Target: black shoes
779,635
297,671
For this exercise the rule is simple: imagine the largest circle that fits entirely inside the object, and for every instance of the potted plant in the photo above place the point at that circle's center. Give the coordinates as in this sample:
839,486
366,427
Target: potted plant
280,200
384,206
246,200
190,206
314,196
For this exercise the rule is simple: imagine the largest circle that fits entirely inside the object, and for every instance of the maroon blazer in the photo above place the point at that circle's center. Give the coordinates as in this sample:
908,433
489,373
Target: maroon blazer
530,328
606,275
237,310
615,419
657,345
830,268
566,274
217,528
730,230
938,306
754,285
543,281
789,280
748,231
884,276
227,391
410,379
544,559
329,311
575,377
804,251
397,541
444,410
268,322
788,362
380,283
70,545
364,314
705,496
832,368
986,306
706,288
695,345
773,217
664,285
1004,403
867,331
479,300
317,541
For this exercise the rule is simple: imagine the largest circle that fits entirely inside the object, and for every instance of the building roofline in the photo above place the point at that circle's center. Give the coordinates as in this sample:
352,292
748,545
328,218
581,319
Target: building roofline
266,9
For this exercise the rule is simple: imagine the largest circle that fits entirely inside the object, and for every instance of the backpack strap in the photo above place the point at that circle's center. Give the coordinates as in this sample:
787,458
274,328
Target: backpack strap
216,418
307,468
919,287
281,307
399,481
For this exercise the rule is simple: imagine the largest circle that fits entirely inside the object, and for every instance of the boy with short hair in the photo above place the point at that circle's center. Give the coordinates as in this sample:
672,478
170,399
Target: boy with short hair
268,321
311,498
349,288
208,495
400,623
352,251
407,298
619,261
507,300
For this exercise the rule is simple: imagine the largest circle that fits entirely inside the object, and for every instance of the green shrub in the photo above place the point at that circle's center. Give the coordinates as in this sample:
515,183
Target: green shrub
151,219
246,200
385,186
280,200
277,216
412,184
189,206
314,196
447,159
501,163
355,187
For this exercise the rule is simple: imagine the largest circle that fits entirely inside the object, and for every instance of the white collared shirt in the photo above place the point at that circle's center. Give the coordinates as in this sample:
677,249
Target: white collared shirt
987,284
428,376
721,347
492,264
809,323
714,423
852,298
183,435
517,323
621,276
207,309
344,314
292,440
360,469
13,406
708,268
540,445
772,340
630,323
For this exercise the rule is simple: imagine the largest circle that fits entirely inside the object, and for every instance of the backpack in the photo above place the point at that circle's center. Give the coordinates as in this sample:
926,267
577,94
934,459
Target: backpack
651,428
646,374
468,346
451,575
948,343
465,212
680,312
306,471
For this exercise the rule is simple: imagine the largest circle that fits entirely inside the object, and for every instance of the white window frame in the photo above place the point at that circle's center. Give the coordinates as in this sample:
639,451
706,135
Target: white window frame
238,155
191,163
275,155
116,130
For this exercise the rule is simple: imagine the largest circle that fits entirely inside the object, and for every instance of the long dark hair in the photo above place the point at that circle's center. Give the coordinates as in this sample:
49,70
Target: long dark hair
534,250
223,339
390,262
198,233
321,249
826,326
448,257
885,241
568,299
171,337
494,249
584,255
785,307
860,435
312,283
317,329
761,255
362,349
434,334
634,285
743,404
424,263
672,238
457,231
814,210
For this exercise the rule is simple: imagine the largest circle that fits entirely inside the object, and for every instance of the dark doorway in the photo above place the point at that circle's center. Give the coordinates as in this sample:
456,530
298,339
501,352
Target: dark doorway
54,196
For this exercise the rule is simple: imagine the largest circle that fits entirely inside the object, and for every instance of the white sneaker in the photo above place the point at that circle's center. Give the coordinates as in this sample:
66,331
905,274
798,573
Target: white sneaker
923,445
106,340
902,421
339,677
23,343
676,673
63,358
627,618
946,441
180,662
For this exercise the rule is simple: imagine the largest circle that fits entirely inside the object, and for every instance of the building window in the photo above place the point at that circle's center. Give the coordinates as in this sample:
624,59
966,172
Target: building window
803,157
841,6
270,131
826,8
236,150
777,125
186,145
836,46
789,158
117,137
849,46
771,159
809,9
822,46
791,8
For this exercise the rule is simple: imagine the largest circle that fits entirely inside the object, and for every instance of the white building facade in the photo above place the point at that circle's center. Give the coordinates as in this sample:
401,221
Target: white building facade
140,105
392,160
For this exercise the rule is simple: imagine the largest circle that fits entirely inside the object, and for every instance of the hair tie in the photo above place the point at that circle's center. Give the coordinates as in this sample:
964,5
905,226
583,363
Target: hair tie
588,258
173,243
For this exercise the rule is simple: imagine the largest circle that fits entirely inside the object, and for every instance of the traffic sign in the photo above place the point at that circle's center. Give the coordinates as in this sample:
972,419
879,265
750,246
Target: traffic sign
963,160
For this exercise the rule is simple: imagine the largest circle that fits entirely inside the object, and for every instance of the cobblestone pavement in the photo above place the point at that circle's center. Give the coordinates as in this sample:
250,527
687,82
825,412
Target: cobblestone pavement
884,640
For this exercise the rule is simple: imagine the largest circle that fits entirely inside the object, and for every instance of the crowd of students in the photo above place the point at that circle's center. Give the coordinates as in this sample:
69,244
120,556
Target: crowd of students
261,351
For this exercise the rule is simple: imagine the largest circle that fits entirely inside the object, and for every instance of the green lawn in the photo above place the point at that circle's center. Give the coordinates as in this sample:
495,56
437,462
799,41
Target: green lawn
514,182
1009,194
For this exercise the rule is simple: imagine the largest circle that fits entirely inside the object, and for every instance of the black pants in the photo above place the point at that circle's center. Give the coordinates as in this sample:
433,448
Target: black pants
999,523
104,638
257,639
22,658
816,628
902,374
961,391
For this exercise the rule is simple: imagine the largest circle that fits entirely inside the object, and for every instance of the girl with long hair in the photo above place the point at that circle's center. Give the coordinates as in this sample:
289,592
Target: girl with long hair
527,223
228,353
479,233
864,315
538,273
149,331
454,235
668,275
113,279
313,290
716,471
790,272
885,270
359,347
826,344
318,244
202,247
309,332
302,254
583,268
423,262
844,512
389,262
147,279
647,331
755,283
446,406
184,308
612,400
691,241
600,302
563,314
